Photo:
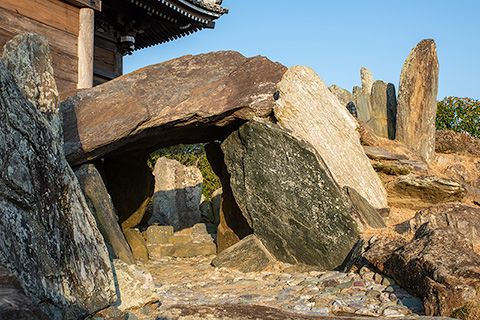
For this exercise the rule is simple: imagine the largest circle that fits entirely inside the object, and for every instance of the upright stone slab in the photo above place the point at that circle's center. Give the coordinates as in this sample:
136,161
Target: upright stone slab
177,195
310,110
379,120
49,240
417,99
101,206
288,197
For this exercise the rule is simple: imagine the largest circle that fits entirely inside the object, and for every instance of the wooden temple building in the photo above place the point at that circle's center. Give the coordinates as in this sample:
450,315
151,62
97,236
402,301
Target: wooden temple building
88,38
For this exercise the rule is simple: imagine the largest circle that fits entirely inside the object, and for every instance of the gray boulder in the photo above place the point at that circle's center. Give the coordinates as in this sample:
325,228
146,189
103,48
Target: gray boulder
417,99
177,194
100,204
288,196
50,240
312,112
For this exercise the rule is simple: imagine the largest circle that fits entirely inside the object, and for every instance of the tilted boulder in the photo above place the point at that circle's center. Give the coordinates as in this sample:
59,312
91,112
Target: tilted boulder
177,194
312,112
417,99
288,196
438,265
100,204
50,240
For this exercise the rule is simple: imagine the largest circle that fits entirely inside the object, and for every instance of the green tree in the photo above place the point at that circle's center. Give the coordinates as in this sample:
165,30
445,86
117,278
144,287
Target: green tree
459,114
191,155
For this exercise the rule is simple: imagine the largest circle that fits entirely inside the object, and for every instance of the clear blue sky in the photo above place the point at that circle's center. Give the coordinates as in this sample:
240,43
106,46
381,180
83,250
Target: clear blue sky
337,38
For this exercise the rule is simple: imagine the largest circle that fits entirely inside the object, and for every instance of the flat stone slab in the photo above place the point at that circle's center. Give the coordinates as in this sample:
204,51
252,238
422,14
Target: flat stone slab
182,250
376,153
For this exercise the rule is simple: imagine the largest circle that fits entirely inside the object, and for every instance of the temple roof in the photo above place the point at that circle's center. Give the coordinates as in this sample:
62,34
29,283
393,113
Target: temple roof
151,22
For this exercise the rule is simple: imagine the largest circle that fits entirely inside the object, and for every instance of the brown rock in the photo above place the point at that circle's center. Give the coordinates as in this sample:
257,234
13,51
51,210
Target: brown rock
158,234
206,94
137,244
462,217
417,99
438,266
448,141
376,153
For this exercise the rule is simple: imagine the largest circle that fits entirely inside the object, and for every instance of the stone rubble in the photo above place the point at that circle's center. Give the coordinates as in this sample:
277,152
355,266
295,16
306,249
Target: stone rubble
194,281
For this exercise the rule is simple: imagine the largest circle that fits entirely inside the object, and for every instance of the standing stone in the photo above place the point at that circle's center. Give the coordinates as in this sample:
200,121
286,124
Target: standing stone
367,80
363,104
177,195
28,58
310,110
288,196
50,240
100,204
137,243
379,120
417,99
391,111
344,96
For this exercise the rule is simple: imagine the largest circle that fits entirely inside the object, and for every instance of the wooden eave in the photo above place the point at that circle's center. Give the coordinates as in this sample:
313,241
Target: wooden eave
173,19
93,4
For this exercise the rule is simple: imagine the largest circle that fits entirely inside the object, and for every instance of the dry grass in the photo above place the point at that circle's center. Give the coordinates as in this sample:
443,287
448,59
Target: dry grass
470,311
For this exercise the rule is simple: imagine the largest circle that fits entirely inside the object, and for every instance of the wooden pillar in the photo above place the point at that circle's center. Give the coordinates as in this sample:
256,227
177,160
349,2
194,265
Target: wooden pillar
85,49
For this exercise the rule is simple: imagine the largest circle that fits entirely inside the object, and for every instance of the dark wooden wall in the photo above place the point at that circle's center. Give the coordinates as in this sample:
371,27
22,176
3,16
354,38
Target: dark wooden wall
57,21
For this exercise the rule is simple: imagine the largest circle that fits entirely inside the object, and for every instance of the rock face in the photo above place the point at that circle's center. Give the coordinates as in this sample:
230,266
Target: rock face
135,285
417,99
13,302
137,244
248,255
302,216
438,265
50,239
100,204
178,192
193,98
330,129
464,218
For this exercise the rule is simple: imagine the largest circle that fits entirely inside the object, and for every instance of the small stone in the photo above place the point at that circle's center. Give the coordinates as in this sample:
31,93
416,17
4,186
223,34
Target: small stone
373,293
344,285
368,276
369,310
388,281
359,284
378,278
391,313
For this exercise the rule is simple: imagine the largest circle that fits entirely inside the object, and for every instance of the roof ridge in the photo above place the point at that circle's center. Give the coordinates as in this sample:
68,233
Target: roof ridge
209,6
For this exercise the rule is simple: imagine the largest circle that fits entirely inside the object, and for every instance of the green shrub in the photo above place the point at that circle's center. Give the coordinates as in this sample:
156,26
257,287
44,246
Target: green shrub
191,155
459,114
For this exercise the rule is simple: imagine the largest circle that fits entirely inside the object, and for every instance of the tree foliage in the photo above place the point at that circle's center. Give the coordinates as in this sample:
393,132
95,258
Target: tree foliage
459,114
191,155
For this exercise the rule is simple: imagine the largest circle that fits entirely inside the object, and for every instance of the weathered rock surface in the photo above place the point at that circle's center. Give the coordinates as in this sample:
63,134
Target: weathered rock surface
248,255
137,244
204,94
177,194
429,189
343,95
134,284
14,304
417,99
376,153
368,215
384,109
50,239
158,234
100,204
311,111
448,141
461,217
288,197
438,265
216,203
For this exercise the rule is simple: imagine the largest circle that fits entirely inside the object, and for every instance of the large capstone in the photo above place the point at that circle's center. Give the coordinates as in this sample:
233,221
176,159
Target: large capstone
288,196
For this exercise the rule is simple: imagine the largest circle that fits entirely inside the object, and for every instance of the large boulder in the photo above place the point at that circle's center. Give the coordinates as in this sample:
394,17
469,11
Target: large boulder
311,111
177,194
50,240
187,100
437,265
100,204
288,196
417,99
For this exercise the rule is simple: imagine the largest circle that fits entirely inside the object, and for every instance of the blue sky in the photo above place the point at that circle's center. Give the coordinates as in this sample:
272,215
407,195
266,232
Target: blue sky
337,38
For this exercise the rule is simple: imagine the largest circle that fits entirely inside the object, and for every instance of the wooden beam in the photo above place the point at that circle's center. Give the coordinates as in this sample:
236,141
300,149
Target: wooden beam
85,48
105,73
